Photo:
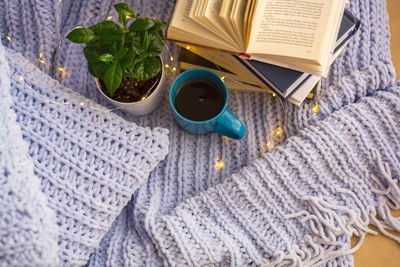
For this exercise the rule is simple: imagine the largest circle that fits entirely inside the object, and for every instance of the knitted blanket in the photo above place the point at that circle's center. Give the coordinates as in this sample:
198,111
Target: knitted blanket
286,194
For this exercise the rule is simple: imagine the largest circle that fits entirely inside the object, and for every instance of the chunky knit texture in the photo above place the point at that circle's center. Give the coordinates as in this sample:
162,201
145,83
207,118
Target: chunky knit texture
88,161
27,225
302,194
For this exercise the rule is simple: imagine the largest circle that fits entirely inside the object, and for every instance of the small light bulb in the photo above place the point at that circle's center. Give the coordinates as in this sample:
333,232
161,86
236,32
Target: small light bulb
172,59
268,144
166,65
187,47
21,78
219,165
222,77
109,17
8,38
78,27
40,54
278,132
143,98
61,69
173,69
315,108
41,61
81,103
273,94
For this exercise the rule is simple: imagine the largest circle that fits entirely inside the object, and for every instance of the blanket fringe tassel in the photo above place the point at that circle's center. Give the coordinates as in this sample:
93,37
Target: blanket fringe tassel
329,222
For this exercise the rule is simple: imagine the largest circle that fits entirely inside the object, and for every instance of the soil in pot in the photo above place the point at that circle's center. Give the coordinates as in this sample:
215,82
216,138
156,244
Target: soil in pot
132,90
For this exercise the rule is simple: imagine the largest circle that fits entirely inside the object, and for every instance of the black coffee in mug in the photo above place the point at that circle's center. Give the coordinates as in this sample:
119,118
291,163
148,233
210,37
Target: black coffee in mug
199,100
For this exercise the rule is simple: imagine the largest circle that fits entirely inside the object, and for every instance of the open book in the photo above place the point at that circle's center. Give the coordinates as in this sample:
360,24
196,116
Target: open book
289,84
297,34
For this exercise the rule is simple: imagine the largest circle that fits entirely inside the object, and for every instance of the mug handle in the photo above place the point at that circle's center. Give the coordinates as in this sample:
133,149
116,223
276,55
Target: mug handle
229,125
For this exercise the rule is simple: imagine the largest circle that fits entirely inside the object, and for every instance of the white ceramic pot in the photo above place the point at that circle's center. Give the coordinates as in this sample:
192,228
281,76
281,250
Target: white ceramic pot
145,106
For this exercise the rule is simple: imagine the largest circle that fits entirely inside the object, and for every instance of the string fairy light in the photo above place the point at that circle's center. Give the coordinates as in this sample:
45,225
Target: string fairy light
51,101
315,108
40,56
278,131
62,70
219,164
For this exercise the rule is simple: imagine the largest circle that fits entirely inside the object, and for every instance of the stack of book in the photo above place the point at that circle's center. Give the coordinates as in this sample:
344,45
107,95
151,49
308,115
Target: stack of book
284,46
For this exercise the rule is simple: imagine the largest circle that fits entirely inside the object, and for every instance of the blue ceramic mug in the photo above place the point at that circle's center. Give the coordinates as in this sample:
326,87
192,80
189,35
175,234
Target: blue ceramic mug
225,122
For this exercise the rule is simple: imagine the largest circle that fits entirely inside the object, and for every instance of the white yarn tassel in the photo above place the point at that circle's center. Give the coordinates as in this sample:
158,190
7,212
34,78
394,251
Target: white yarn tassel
329,221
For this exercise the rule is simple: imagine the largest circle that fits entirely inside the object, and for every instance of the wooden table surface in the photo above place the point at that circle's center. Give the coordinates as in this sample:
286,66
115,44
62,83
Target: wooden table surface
380,250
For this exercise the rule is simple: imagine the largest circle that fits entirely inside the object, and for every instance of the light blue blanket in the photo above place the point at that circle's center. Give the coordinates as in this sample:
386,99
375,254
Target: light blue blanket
294,198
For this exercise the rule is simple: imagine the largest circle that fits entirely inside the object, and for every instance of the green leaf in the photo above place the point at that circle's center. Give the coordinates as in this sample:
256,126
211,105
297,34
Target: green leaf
106,57
91,69
110,32
113,77
91,53
122,52
96,28
145,41
94,49
141,24
147,68
137,43
81,35
124,12
122,7
156,45
97,69
128,63
158,25
100,69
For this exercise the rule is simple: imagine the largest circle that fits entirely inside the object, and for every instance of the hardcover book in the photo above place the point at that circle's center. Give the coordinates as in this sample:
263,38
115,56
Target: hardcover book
189,60
284,82
294,34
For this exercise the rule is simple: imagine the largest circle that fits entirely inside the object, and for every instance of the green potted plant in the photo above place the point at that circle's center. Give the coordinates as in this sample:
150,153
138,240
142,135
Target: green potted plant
125,60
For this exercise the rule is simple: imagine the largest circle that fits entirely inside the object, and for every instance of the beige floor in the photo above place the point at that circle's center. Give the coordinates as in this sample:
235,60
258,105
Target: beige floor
380,250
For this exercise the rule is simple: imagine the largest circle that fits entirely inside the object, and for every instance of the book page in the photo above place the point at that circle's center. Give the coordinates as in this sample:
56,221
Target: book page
183,28
225,13
293,28
208,16
248,20
193,9
238,16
